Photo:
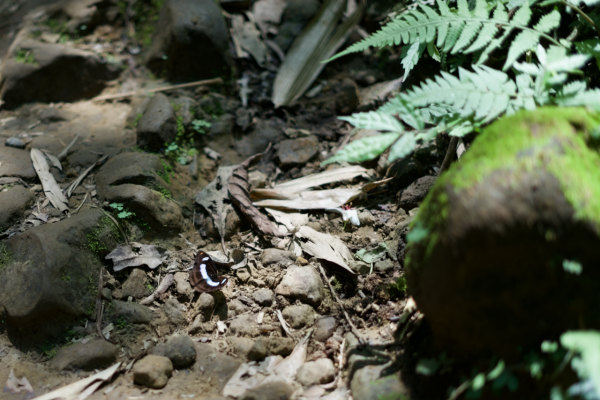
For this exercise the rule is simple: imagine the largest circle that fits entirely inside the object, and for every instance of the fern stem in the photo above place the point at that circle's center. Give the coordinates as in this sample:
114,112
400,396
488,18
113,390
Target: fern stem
580,12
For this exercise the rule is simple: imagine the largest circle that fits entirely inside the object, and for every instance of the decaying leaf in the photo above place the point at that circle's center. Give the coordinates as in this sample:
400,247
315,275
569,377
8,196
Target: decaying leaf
83,388
347,215
81,177
214,198
51,188
317,42
55,161
162,287
373,255
268,11
238,189
14,386
248,37
326,247
317,199
135,255
291,221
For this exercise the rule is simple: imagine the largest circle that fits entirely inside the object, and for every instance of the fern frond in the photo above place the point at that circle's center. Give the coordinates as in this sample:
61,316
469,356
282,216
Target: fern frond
463,31
375,120
588,98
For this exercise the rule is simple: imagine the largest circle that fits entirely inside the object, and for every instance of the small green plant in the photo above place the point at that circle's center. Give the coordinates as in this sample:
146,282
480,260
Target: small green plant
92,287
337,285
137,120
49,349
150,287
25,57
200,126
65,278
123,212
398,288
180,128
121,324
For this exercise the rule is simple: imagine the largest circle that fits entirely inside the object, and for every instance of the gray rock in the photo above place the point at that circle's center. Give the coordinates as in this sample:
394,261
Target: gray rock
54,73
302,283
324,328
132,312
405,171
384,265
135,285
316,372
16,163
410,197
241,346
236,307
15,142
180,349
82,158
243,274
299,316
45,283
13,204
264,347
244,325
158,125
297,152
263,297
205,304
47,142
182,284
277,390
214,366
190,41
96,354
174,311
185,108
53,114
153,371
368,384
136,168
223,126
276,256
259,283
265,132
153,207
197,325
296,14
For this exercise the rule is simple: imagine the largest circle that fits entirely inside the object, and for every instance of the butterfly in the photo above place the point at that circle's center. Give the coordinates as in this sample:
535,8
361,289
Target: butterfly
204,276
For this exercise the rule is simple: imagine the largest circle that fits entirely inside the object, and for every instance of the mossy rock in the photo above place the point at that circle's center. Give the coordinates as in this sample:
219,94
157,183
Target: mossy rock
486,251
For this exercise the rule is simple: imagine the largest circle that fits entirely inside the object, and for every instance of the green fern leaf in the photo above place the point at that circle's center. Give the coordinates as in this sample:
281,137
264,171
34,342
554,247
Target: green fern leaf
403,147
375,120
364,149
588,98
405,110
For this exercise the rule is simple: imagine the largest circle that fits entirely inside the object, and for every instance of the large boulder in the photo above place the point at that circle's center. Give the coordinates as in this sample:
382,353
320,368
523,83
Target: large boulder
190,41
13,204
52,73
494,254
16,163
51,278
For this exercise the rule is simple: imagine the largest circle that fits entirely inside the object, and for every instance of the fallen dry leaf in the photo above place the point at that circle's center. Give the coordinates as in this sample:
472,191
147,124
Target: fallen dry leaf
135,255
238,189
291,221
326,247
213,197
83,388
247,36
51,188
14,386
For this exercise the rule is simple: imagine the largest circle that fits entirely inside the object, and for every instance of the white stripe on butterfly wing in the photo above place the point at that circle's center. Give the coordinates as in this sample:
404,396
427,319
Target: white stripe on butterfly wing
205,259
206,277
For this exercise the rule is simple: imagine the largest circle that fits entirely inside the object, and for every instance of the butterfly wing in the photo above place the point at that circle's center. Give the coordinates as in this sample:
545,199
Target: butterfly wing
204,276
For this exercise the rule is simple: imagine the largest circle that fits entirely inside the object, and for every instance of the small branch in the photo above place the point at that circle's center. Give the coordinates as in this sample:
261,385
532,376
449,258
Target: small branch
449,154
207,82
583,15
352,327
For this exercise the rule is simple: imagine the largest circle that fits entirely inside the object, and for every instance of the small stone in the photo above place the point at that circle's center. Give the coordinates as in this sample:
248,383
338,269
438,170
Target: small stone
132,312
276,256
368,384
259,350
324,328
360,267
182,284
303,283
15,142
106,294
96,354
410,197
13,204
384,265
205,303
244,325
153,371
315,225
197,325
157,125
135,285
271,346
278,390
316,372
257,179
236,307
243,274
179,349
263,297
301,261
257,282
299,316
174,311
366,218
297,152
209,326
241,346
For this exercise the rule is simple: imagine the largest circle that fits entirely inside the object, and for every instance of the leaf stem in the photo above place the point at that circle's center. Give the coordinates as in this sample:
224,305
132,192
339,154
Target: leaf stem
580,12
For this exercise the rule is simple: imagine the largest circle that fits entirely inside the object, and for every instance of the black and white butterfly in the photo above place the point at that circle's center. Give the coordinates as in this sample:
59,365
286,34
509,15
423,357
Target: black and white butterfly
204,276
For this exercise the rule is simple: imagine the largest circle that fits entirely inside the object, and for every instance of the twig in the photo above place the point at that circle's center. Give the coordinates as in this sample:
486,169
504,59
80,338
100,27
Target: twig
450,154
337,382
82,203
64,152
162,287
207,82
352,327
80,178
584,15
115,222
100,307
284,325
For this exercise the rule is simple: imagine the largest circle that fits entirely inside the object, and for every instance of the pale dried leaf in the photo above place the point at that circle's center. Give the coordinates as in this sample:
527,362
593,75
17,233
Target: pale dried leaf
317,42
14,386
291,221
379,91
124,256
213,195
82,176
55,161
268,10
326,247
248,37
51,188
76,389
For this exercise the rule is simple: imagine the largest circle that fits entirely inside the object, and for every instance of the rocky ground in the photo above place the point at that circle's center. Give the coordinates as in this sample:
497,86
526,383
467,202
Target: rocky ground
151,196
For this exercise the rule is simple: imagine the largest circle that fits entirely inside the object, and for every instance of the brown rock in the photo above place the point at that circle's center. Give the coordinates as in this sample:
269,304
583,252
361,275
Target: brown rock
153,371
